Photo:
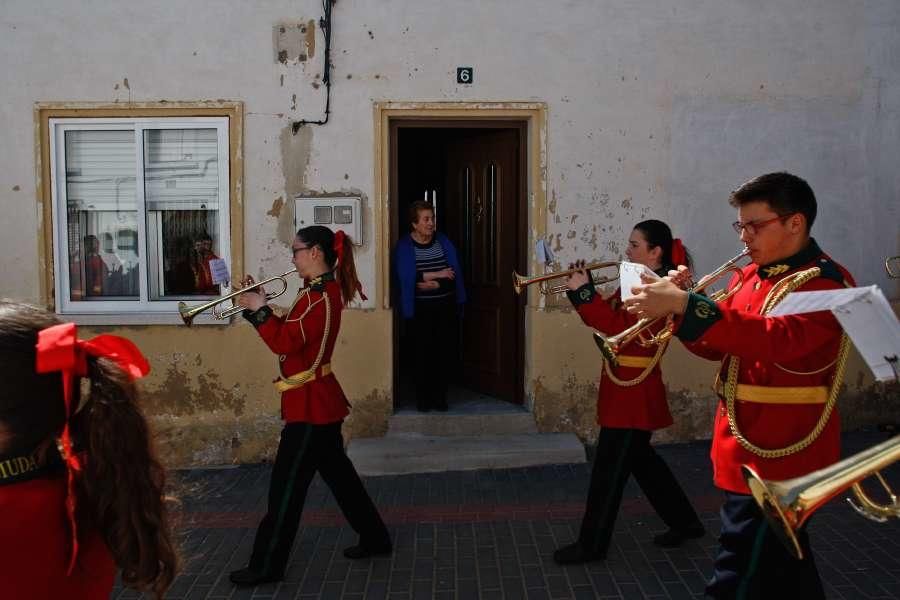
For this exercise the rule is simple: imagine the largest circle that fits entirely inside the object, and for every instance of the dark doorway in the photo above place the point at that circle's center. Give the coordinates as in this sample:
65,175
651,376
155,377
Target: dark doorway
474,172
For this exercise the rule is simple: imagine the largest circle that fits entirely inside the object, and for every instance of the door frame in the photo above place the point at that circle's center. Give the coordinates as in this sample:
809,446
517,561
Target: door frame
530,118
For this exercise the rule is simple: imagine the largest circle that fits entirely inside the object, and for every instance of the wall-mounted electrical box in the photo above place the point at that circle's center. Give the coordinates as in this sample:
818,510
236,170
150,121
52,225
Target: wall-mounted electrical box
342,214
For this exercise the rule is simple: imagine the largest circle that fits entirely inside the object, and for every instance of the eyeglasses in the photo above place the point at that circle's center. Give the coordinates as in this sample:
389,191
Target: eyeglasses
753,227
295,250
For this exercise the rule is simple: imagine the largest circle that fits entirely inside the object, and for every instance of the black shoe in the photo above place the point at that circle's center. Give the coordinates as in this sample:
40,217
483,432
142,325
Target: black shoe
248,577
675,537
365,551
441,405
422,407
575,554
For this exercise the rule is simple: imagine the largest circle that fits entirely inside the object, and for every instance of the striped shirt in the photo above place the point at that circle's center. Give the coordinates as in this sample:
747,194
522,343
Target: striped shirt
430,257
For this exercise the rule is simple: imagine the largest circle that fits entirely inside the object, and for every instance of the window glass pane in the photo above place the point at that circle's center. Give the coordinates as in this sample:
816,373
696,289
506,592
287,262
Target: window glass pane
188,241
181,177
101,218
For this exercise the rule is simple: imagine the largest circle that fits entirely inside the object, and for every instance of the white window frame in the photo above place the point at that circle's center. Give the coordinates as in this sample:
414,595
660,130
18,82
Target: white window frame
144,308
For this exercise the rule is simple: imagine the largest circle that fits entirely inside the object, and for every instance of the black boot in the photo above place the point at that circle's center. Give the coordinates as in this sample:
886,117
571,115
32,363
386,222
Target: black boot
365,550
675,537
575,554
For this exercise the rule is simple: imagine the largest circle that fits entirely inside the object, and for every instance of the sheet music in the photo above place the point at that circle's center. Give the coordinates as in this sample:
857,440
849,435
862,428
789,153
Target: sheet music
543,252
866,316
630,276
219,271
806,302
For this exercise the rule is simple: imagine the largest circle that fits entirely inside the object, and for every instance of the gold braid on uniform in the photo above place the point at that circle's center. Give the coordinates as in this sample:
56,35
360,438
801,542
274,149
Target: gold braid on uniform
660,350
776,295
304,376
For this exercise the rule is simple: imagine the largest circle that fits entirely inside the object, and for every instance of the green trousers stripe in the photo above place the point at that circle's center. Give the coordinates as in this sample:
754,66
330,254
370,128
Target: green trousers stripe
286,498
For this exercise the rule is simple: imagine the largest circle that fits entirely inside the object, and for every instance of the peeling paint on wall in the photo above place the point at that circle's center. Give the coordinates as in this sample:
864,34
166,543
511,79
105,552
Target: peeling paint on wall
277,205
294,42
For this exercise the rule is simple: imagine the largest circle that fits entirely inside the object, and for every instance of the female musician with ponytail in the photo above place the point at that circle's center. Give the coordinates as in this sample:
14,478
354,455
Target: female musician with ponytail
313,405
631,404
81,491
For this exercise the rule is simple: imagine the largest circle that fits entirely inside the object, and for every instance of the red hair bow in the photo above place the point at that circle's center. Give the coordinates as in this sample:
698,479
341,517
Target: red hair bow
59,349
338,245
679,255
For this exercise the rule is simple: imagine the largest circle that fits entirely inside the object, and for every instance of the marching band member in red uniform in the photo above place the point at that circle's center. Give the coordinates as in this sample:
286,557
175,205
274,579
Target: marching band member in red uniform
81,492
631,404
777,384
313,406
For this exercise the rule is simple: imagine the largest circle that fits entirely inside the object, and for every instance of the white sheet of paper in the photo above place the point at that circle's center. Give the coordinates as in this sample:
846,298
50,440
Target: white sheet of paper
219,271
806,302
865,315
543,251
630,276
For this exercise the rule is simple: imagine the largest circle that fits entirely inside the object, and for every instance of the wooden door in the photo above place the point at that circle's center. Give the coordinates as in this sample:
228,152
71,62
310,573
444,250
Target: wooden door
483,175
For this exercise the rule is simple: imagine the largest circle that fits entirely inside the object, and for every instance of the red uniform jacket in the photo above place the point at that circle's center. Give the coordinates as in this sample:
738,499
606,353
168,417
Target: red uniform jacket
35,545
642,406
769,347
297,339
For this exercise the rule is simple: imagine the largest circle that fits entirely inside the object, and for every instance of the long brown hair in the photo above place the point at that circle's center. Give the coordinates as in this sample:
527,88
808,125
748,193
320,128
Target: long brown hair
317,235
120,489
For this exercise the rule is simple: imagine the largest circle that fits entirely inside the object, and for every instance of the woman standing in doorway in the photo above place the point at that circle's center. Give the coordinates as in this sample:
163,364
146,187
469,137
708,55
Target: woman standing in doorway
631,404
431,294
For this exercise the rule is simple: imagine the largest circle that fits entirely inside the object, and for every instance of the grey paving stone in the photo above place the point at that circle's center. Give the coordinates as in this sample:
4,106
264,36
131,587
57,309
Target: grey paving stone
491,534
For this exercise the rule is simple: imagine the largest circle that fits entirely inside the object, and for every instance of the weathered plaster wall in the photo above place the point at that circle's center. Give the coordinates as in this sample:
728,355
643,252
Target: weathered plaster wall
211,398
654,108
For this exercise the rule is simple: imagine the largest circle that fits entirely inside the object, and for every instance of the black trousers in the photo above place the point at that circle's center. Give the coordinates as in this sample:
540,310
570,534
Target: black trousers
753,563
305,449
434,337
620,453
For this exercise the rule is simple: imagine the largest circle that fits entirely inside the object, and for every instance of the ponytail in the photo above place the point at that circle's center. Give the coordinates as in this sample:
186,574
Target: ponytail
122,485
338,250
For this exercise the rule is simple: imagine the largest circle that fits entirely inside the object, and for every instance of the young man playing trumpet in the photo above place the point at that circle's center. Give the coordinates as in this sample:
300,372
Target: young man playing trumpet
778,381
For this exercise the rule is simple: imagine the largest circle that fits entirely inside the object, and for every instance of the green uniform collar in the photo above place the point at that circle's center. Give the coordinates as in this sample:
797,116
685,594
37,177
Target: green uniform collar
318,283
804,257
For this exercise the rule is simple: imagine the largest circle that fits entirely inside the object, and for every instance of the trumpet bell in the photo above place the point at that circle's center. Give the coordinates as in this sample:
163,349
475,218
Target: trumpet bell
187,313
606,348
892,266
766,498
788,504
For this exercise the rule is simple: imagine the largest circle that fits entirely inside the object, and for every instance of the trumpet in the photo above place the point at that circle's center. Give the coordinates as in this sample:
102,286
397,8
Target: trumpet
612,345
892,266
520,282
788,504
189,312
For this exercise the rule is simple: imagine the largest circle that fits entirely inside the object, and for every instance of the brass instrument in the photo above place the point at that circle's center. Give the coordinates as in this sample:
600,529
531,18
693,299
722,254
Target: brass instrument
189,312
520,282
788,504
892,266
612,345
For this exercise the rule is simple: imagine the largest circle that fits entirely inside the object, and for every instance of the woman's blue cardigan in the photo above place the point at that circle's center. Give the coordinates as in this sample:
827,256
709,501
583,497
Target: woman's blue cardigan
405,267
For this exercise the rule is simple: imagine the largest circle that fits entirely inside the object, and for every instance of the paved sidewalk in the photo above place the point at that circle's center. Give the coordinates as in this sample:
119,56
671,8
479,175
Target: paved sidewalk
491,534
